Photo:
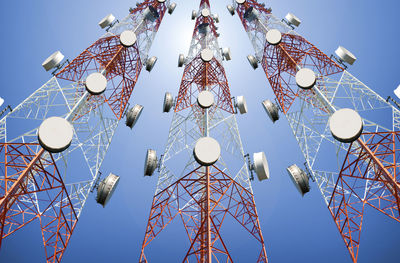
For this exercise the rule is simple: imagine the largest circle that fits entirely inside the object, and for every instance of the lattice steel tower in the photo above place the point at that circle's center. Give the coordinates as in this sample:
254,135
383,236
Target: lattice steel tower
71,119
339,123
204,174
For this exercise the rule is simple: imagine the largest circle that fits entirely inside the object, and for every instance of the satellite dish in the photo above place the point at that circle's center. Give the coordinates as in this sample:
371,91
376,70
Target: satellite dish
203,28
133,115
181,60
241,104
171,8
205,12
299,179
168,102
205,99
206,55
240,1
1,101
261,166
305,78
55,134
345,55
231,10
274,37
396,92
53,60
106,21
127,38
250,14
346,125
206,151
106,189
271,109
292,19
226,52
96,83
253,61
194,14
150,63
161,1
150,163
151,14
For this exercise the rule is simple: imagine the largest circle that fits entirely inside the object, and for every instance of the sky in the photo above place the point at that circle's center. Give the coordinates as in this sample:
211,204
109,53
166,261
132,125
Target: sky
295,228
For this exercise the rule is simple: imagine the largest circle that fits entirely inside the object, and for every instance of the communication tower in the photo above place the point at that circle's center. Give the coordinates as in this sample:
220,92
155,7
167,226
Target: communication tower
204,174
350,149
71,120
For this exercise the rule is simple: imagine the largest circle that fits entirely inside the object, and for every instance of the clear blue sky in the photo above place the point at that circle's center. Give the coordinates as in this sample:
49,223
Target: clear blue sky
295,229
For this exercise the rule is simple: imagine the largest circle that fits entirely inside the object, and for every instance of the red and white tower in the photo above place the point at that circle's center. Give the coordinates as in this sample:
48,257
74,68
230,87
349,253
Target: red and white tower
71,120
350,148
204,173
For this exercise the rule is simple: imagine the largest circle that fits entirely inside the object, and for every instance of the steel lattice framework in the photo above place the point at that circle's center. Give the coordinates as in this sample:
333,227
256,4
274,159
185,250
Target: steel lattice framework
203,196
35,184
349,176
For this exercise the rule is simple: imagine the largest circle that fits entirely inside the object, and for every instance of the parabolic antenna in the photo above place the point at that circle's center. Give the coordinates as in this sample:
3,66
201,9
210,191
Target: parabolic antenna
1,101
299,179
396,92
133,115
271,109
345,55
181,60
205,99
305,78
206,55
151,14
53,60
106,21
194,14
261,166
206,151
231,9
226,52
241,104
127,38
171,8
161,1
253,61
106,189
205,12
274,37
96,83
346,125
55,134
150,63
150,164
168,102
292,19
240,1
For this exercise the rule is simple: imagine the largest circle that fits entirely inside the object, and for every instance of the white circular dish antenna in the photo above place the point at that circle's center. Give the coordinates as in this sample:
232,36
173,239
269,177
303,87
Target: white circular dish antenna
231,10
206,151
55,134
346,125
226,52
253,61
271,109
96,83
240,1
53,60
396,92
274,37
345,55
171,8
127,38
181,60
1,101
106,189
305,78
161,1
194,14
168,102
150,63
261,166
205,99
150,164
133,115
106,21
206,55
299,179
205,12
292,19
241,104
